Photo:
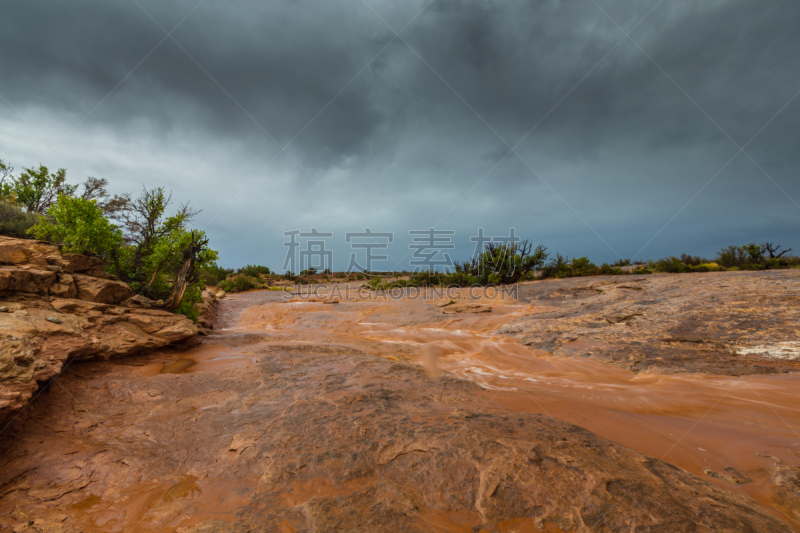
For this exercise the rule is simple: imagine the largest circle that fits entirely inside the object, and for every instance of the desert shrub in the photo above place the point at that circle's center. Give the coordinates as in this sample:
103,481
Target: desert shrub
239,283
732,256
459,279
424,278
502,264
14,222
705,267
563,267
622,263
611,270
558,267
669,264
254,271
212,274
754,256
581,266
689,260
377,284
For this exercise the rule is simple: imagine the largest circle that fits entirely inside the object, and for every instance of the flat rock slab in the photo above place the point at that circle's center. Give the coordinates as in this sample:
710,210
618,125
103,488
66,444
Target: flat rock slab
733,323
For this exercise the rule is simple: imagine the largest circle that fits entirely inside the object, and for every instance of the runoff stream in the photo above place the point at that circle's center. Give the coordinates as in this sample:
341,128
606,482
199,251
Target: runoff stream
736,432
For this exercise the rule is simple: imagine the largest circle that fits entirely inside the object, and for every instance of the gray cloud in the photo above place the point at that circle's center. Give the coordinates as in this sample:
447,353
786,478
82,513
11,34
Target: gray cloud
400,133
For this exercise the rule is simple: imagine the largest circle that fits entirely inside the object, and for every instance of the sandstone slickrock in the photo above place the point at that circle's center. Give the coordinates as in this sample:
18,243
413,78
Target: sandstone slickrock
62,308
719,323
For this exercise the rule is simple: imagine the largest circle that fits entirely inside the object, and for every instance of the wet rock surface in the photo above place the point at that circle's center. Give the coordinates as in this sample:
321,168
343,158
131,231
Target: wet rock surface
63,308
330,440
732,323
317,435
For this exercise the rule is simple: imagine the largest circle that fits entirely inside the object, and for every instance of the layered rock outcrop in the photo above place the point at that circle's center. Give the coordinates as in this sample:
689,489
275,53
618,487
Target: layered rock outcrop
58,308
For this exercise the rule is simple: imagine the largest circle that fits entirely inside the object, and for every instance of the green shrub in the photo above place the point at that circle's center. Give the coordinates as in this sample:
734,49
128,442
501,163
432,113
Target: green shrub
669,264
732,256
705,267
254,271
239,283
611,270
14,222
192,297
503,264
134,237
581,266
689,260
212,274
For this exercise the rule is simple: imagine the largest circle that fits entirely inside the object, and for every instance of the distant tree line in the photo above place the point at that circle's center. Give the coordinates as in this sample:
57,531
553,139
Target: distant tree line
505,264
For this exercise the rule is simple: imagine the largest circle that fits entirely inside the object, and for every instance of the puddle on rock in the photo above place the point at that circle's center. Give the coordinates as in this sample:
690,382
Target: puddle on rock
178,367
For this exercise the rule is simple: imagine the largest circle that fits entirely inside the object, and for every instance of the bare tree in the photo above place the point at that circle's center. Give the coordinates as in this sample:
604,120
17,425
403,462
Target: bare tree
5,173
775,251
95,189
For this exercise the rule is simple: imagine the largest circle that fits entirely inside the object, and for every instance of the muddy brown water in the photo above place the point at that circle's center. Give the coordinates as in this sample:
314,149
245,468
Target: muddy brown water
702,423
731,431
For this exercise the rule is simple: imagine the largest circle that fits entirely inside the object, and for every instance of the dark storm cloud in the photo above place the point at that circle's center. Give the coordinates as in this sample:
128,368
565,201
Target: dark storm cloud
626,136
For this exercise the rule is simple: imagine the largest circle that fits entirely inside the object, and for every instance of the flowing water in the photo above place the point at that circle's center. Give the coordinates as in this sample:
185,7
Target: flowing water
741,433
737,432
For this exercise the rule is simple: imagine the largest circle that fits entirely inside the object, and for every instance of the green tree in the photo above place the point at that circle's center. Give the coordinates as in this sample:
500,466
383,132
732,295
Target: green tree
163,258
80,225
37,189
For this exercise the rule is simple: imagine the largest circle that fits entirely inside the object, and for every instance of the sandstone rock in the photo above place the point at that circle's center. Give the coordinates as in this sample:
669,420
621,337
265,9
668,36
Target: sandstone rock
35,342
728,474
79,306
220,295
32,280
65,287
465,308
101,290
704,322
137,300
82,263
24,251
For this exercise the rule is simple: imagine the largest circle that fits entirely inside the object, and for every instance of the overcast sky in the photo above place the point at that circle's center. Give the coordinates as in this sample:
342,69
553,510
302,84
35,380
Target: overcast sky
596,127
